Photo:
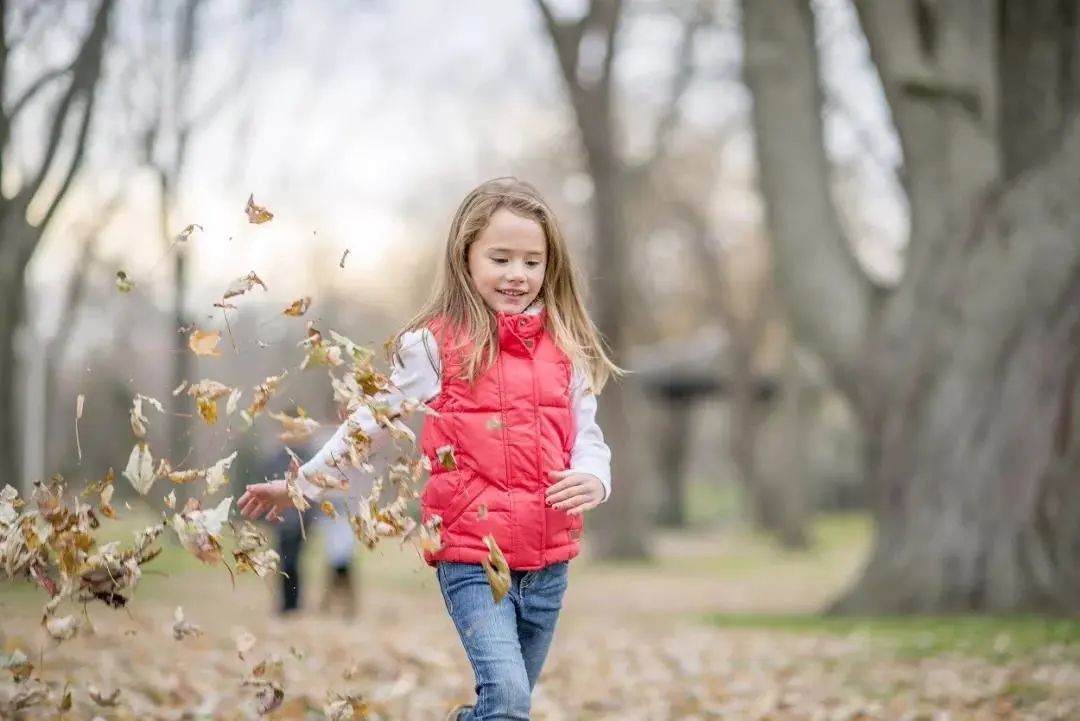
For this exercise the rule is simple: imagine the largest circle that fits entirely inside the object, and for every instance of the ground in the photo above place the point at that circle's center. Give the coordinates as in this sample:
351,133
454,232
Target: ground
721,626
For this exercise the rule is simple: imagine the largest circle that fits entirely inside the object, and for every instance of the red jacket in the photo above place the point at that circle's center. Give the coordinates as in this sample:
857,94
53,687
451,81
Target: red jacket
506,433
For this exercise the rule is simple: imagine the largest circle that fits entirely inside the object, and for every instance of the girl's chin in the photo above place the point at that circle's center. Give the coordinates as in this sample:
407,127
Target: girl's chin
508,304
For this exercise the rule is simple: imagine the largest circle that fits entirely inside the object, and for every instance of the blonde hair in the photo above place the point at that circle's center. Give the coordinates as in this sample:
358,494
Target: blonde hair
456,301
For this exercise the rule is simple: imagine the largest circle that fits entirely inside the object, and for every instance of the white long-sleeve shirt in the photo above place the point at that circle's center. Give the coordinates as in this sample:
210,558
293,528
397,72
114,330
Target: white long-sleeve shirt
417,377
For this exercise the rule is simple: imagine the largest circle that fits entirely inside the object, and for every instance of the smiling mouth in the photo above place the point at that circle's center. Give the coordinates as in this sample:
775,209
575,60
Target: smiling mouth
512,293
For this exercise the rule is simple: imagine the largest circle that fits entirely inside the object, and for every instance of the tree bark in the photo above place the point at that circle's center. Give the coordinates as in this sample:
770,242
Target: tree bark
623,522
18,238
966,375
673,441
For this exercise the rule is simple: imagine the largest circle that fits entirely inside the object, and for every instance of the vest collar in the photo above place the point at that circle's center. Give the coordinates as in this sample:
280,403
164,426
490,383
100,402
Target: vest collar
526,325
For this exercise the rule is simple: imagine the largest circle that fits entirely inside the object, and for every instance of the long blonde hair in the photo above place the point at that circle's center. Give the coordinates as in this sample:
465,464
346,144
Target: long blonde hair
456,301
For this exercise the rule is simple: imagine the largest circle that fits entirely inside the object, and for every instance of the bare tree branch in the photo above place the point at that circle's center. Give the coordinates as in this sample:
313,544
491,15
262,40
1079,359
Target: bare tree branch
828,296
84,80
34,88
680,82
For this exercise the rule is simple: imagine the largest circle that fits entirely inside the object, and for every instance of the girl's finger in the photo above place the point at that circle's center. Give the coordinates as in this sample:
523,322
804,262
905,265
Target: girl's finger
555,498
573,502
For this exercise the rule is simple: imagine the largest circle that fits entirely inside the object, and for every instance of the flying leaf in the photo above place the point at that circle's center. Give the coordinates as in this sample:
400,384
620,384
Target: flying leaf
61,629
328,509
245,641
187,232
298,307
170,501
341,263
233,402
206,393
494,424
203,343
295,428
497,570
217,475
199,531
104,699
79,400
140,468
320,352
182,628
446,457
263,392
123,283
256,213
251,552
242,285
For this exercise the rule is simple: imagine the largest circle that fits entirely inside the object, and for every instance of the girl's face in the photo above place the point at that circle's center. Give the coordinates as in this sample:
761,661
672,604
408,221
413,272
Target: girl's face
507,261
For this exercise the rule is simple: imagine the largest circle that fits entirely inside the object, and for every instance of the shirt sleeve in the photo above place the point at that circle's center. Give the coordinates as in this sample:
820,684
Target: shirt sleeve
414,376
590,454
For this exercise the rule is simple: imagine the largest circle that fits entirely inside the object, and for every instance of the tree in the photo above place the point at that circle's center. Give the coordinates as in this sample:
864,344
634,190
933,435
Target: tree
19,234
586,49
965,374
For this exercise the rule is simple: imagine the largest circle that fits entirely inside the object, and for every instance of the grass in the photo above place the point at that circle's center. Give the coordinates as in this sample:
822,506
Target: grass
998,638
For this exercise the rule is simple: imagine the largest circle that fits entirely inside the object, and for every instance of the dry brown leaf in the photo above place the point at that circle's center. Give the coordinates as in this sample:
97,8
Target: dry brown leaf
298,307
498,572
187,232
204,343
256,213
242,285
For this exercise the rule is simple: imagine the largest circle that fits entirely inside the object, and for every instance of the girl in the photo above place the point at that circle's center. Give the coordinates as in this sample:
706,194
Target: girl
506,354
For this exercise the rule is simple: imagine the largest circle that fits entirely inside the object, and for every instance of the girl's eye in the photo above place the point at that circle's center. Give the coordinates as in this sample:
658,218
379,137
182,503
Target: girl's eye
533,263
501,261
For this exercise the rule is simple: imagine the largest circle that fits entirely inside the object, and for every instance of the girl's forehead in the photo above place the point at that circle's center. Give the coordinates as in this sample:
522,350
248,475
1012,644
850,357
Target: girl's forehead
509,231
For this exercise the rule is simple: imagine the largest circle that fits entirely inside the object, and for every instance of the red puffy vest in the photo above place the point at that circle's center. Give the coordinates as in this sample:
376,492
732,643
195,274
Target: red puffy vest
506,431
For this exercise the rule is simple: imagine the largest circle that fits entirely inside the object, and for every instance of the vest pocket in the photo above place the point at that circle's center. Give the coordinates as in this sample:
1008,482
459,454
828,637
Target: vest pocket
469,489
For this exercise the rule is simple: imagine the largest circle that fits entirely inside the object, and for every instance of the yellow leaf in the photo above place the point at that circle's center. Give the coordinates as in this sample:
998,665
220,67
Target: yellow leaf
256,213
328,509
498,572
204,343
298,307
446,457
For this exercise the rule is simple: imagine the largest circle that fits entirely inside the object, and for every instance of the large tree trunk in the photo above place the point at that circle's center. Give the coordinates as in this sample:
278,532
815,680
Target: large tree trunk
965,376
18,238
622,523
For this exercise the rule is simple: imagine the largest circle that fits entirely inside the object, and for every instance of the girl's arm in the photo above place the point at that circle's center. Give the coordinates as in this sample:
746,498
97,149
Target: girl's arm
590,453
415,377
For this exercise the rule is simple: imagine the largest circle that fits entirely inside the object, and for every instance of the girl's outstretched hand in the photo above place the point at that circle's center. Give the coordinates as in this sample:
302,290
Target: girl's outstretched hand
271,499
574,492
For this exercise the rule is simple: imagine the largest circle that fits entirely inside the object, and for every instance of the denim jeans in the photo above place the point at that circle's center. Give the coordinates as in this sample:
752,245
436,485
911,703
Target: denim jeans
506,643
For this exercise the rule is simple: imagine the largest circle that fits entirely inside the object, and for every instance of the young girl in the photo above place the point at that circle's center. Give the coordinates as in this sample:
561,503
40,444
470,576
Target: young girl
506,354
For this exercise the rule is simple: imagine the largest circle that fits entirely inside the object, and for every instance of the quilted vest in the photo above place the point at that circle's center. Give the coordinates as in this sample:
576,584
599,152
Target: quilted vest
492,445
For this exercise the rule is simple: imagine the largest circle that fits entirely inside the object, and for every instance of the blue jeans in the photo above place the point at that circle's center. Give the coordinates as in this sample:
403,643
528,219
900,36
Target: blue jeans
506,643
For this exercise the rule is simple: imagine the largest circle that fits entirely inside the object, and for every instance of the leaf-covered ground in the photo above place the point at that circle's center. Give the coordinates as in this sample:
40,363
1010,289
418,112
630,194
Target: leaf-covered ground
669,641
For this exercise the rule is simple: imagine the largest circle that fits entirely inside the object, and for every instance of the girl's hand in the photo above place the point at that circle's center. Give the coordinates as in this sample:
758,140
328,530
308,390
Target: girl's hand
270,498
574,492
